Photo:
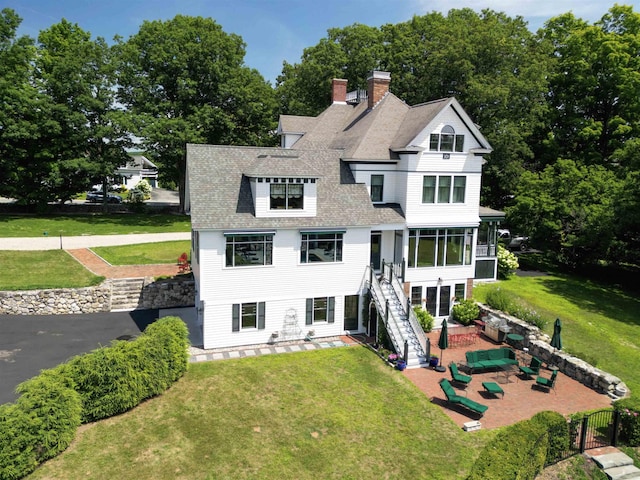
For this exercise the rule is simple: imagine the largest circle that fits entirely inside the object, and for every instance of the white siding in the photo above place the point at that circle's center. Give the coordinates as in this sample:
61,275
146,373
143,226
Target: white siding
262,194
285,284
362,174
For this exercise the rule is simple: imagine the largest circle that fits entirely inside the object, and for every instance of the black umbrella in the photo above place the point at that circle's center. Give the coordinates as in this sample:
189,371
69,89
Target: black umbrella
556,340
443,343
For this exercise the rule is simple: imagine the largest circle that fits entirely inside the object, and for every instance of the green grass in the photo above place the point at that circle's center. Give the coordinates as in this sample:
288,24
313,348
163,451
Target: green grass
43,269
600,323
73,225
144,254
336,413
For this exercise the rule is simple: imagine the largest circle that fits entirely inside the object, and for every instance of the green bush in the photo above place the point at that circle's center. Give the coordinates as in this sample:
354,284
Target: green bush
465,311
518,451
507,263
41,424
499,299
508,303
629,409
425,319
558,428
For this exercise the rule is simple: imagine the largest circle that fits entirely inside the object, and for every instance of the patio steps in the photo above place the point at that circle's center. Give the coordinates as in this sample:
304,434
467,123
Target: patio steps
617,466
126,294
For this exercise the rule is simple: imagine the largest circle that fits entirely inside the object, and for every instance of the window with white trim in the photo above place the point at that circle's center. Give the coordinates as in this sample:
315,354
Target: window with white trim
449,189
320,310
286,195
247,316
321,247
377,186
440,247
249,249
446,140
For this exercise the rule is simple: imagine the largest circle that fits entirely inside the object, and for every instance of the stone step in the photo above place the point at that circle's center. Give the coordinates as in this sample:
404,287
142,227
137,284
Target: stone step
611,460
126,293
625,472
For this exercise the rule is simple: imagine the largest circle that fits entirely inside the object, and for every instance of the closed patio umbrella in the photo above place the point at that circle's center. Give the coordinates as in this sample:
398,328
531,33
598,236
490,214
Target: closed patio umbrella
556,340
443,343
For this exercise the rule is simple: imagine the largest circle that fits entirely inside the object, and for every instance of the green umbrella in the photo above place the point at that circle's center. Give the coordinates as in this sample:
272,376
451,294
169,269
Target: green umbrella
443,343
556,340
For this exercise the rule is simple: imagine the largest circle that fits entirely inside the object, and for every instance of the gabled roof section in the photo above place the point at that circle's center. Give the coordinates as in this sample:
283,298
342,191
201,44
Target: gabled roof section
139,161
287,164
295,124
220,191
378,133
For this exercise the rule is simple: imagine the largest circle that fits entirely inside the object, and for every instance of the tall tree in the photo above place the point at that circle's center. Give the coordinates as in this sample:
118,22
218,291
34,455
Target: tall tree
594,86
79,75
184,80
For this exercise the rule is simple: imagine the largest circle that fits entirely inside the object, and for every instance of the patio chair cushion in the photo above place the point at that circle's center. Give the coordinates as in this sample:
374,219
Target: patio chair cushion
458,377
490,359
532,369
453,398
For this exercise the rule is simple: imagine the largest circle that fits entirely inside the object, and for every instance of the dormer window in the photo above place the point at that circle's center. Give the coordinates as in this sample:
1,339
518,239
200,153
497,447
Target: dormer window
446,140
286,196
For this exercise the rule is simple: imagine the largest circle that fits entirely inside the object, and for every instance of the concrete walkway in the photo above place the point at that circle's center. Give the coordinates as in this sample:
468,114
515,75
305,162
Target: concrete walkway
86,241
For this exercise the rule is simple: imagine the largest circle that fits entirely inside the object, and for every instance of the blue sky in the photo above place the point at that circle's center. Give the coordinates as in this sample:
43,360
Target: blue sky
276,30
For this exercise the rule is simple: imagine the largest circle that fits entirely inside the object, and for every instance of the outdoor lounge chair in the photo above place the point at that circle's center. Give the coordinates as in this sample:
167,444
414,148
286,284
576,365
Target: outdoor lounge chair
458,377
456,399
533,368
547,383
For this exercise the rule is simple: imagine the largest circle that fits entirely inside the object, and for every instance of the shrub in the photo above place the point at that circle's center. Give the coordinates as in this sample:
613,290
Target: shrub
144,187
558,428
507,263
41,424
425,319
508,303
518,451
629,409
499,299
465,311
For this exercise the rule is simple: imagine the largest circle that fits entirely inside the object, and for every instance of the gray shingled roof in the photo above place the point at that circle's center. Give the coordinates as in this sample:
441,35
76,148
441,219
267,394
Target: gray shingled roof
220,193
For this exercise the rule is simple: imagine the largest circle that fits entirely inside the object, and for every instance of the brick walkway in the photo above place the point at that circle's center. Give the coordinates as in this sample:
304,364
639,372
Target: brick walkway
520,401
99,266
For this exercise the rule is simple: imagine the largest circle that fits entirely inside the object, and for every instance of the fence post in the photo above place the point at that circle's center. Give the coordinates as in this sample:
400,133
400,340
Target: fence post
583,433
406,351
402,268
386,313
616,427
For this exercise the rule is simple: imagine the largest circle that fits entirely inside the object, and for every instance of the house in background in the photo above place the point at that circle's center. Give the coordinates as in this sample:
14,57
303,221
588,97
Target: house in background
371,203
137,168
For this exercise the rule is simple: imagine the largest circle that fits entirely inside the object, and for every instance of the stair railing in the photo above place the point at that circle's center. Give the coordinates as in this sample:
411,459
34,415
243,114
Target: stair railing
418,336
382,305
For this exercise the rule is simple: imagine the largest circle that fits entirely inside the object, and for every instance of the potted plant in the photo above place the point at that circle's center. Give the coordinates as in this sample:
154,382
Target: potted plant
393,358
401,364
433,361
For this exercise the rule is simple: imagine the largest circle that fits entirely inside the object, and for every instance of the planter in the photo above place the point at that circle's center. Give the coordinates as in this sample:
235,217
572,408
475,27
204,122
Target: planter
401,365
433,362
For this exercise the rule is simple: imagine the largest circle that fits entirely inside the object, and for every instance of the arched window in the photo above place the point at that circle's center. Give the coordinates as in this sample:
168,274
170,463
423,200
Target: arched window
446,140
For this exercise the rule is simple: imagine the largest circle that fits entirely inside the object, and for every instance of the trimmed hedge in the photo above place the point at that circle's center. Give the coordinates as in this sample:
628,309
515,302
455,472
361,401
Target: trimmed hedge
108,381
520,450
629,409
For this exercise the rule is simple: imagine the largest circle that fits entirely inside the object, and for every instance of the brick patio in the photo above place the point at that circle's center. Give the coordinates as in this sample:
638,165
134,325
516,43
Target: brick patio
520,401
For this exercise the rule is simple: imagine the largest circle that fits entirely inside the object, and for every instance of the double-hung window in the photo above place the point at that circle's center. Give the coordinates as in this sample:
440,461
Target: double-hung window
446,140
248,316
286,195
321,247
320,310
443,189
377,185
249,249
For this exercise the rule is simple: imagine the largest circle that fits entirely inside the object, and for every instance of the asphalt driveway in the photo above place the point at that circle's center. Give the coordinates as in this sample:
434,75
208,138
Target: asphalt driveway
29,344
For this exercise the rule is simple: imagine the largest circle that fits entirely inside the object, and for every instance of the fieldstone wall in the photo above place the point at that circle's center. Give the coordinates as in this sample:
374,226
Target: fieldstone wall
57,301
168,294
539,346
161,294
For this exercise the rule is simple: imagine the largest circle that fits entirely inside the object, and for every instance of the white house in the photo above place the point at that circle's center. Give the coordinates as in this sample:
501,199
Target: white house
373,203
137,168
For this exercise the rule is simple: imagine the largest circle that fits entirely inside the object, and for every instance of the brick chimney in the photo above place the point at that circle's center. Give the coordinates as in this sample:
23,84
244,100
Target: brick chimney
377,86
338,90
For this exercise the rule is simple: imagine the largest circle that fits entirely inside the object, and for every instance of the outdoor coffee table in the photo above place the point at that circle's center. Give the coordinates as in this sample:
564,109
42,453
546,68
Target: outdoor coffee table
493,388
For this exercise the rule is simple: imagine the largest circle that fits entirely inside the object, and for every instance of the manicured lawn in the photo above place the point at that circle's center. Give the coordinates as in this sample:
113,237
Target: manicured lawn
72,225
43,269
336,413
600,323
145,253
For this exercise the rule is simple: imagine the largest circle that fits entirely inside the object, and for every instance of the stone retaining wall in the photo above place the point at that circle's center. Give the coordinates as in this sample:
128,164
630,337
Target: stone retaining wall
59,301
538,344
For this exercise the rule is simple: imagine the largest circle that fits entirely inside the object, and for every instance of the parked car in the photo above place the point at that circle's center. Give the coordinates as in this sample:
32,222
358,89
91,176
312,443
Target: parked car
513,242
97,197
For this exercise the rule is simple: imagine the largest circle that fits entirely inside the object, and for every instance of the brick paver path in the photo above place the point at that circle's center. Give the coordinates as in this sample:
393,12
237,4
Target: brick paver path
99,266
520,401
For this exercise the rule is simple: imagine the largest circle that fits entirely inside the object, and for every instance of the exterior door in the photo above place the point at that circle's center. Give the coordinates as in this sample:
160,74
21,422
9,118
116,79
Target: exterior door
445,301
376,252
351,312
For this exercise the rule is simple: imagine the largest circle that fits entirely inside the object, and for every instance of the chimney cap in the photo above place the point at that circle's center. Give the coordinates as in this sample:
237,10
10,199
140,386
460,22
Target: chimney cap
378,75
